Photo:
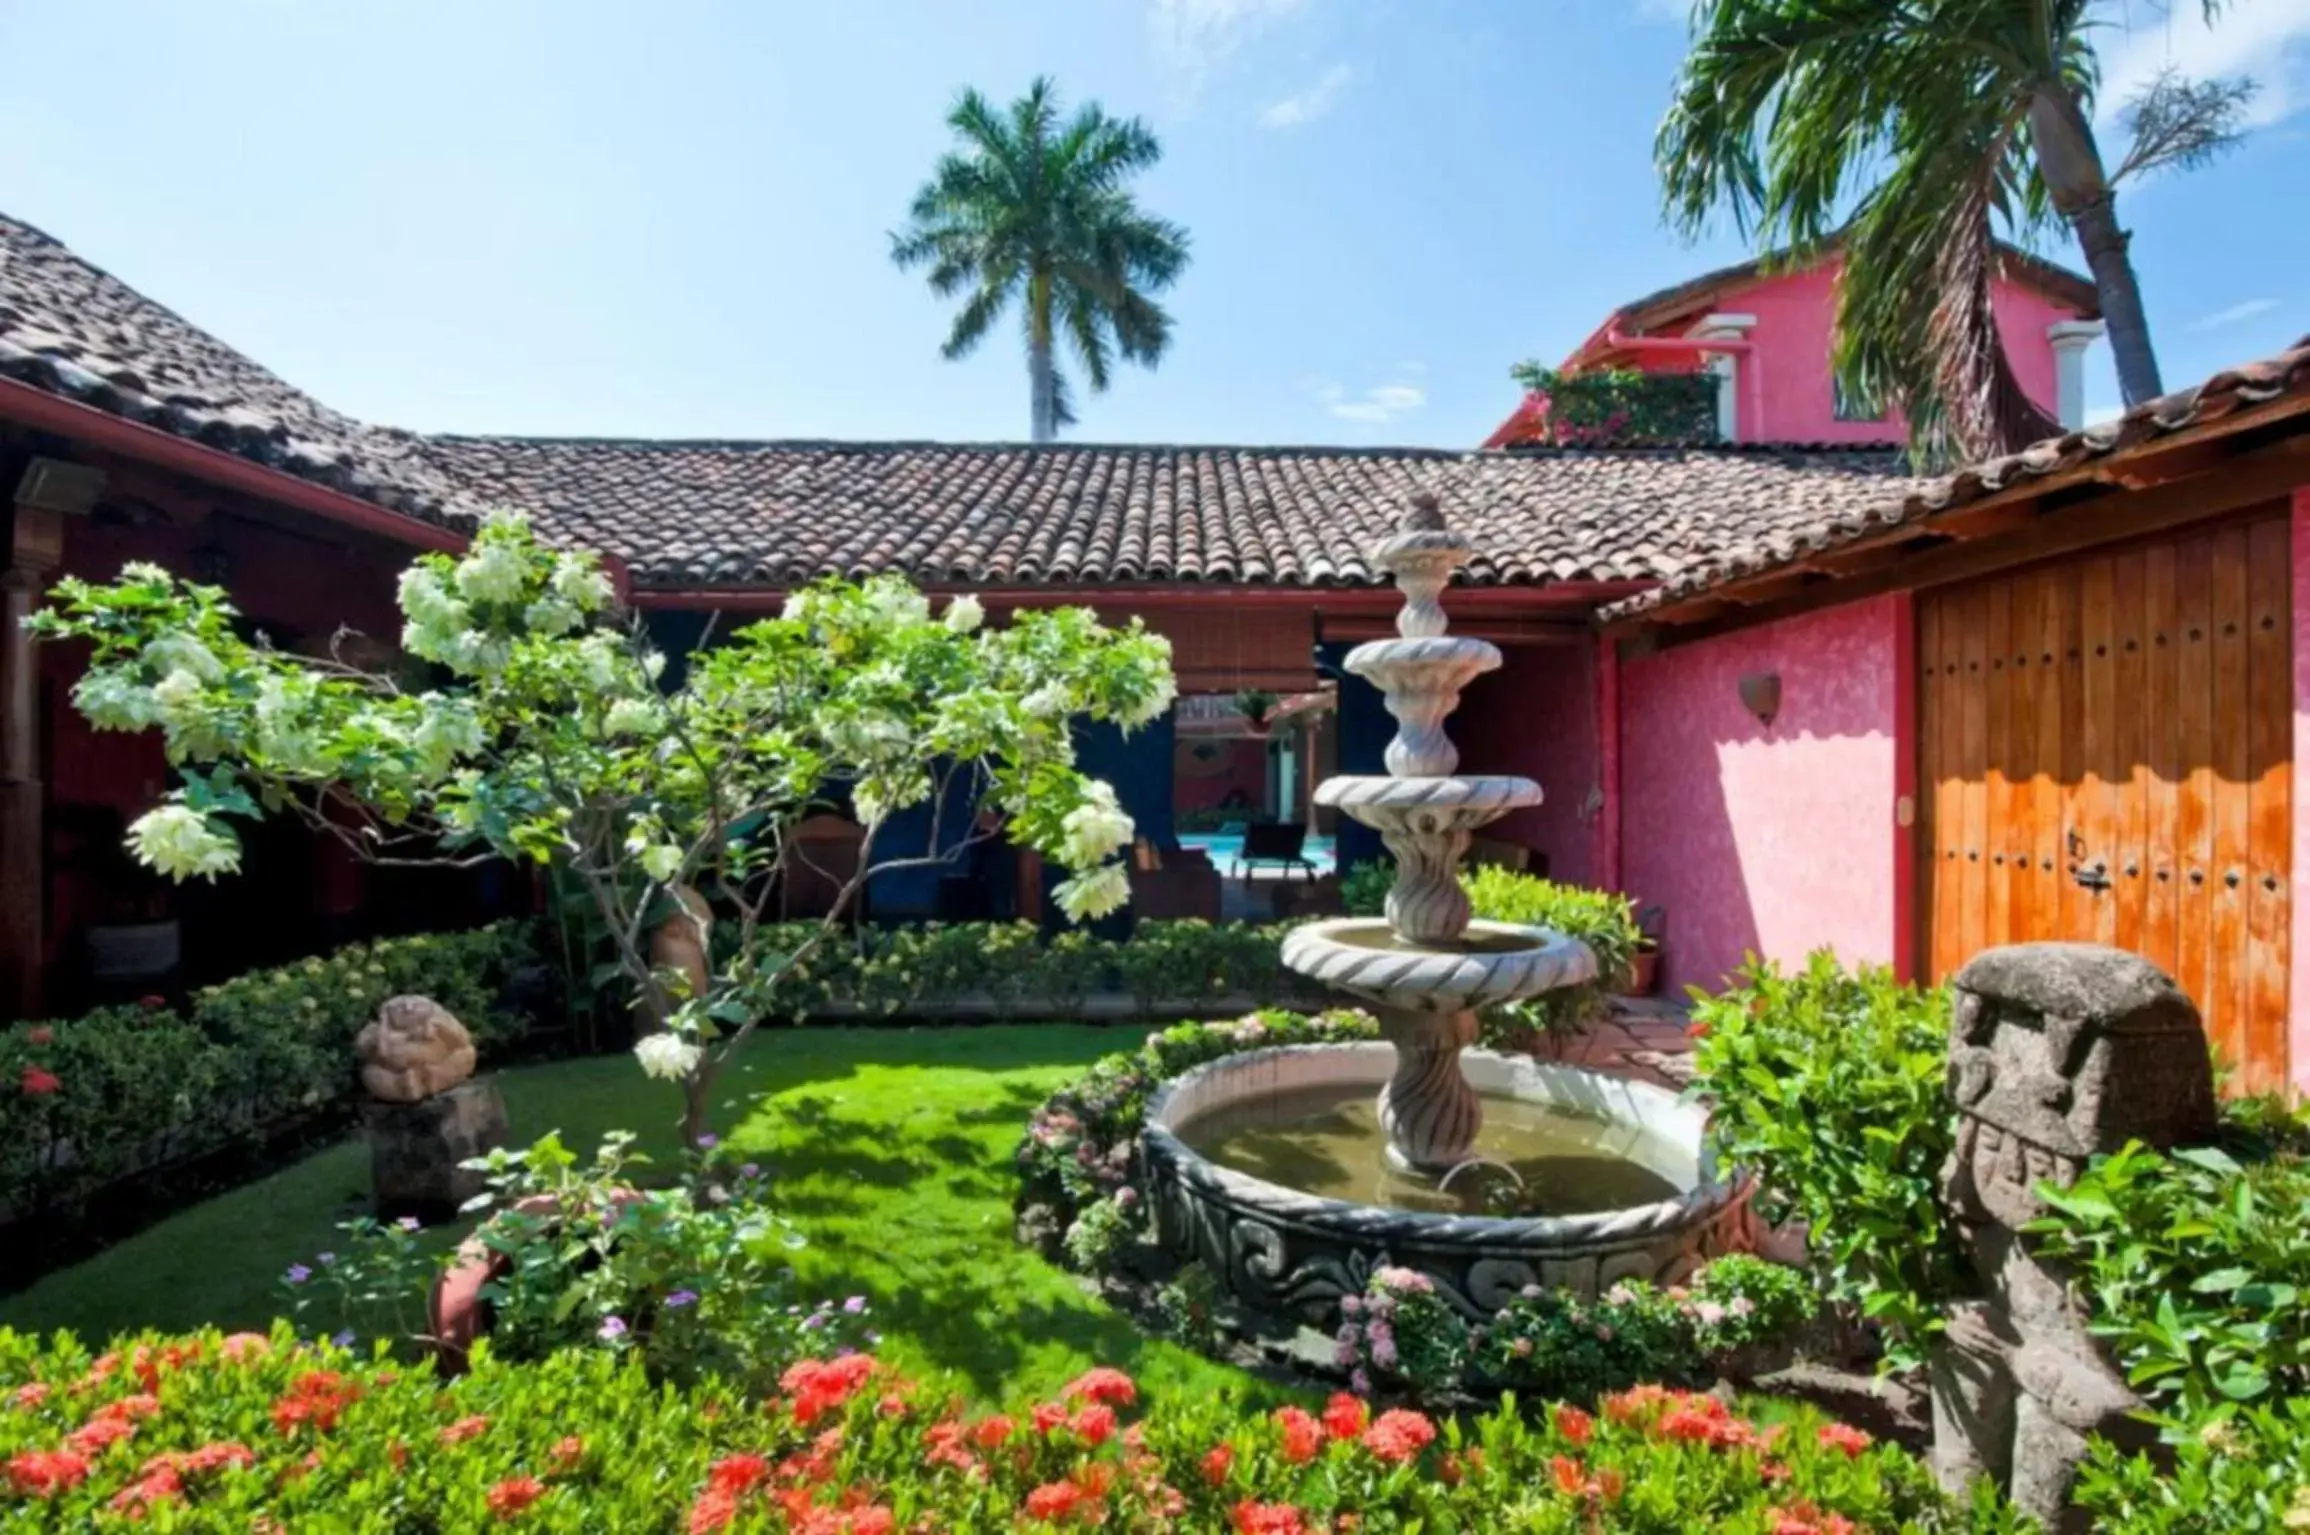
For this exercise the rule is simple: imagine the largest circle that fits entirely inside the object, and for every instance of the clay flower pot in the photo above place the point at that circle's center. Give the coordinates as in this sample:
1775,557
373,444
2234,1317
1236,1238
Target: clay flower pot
455,1312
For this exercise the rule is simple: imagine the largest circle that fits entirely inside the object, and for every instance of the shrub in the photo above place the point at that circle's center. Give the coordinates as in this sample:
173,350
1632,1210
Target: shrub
121,1090
1828,1084
214,1433
2196,1266
2247,1474
1401,1330
685,1277
1551,1342
1363,887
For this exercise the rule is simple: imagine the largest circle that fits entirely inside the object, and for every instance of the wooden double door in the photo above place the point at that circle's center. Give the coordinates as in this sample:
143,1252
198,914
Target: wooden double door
2106,753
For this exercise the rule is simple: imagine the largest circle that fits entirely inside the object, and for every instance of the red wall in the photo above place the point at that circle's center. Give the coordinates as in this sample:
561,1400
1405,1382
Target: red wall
2299,946
1778,838
1536,717
1786,393
1245,771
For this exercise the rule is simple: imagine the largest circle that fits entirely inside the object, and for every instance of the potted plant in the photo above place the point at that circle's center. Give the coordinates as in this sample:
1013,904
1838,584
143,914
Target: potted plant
1644,963
1255,705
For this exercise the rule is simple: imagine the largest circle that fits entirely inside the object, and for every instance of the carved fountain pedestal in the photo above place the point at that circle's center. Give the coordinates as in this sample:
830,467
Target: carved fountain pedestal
1424,969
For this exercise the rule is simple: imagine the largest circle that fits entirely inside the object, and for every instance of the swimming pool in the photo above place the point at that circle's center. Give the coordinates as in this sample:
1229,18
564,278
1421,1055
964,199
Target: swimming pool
1224,847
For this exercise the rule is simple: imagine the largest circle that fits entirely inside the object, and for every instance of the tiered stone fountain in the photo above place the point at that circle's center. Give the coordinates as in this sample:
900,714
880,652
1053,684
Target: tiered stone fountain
1278,1170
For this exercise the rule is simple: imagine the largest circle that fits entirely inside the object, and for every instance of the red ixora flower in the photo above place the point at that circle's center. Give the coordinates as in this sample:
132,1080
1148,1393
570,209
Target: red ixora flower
1102,1385
1217,1462
37,1083
31,1396
1302,1435
45,1473
317,1397
1093,1423
1804,1519
1344,1416
1399,1435
1843,1436
1053,1501
509,1497
821,1386
464,1429
1249,1518
1576,1426
44,1035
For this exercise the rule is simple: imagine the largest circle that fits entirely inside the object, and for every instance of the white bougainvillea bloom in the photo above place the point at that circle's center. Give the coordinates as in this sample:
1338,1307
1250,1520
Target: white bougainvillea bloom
964,614
1096,827
1088,897
179,842
668,1057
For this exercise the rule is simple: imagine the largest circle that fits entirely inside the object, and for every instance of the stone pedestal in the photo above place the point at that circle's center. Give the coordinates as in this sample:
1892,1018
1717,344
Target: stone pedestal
415,1148
2058,1053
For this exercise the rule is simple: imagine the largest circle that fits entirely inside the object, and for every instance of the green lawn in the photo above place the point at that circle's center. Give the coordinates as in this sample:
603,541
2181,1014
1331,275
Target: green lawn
890,1149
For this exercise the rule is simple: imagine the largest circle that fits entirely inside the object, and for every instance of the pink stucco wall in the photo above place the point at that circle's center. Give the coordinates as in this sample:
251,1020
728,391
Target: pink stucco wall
1775,839
1785,389
2298,996
1536,717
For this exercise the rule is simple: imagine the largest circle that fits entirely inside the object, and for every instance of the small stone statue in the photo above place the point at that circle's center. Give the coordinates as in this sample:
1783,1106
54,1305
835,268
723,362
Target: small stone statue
427,1114
413,1049
2058,1052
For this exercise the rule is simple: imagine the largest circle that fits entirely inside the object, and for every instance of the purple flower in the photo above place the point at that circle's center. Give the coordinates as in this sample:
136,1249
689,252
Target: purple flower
343,1339
1350,1305
681,1298
750,1170
1384,1353
612,1329
814,1321
1360,1383
709,1141
326,1259
407,1223
856,1305
298,1273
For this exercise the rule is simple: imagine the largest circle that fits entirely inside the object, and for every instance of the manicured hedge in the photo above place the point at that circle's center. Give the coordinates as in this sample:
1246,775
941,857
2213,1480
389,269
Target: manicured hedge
95,1099
254,1433
1165,967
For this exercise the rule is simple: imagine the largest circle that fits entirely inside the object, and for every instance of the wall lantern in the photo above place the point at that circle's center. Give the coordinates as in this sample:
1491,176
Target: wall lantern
1761,695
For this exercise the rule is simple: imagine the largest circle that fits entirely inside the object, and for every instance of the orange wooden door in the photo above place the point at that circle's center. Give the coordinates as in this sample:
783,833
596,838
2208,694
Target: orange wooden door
2106,754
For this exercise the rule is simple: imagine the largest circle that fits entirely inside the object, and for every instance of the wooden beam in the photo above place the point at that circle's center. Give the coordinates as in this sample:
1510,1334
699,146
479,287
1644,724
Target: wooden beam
2263,475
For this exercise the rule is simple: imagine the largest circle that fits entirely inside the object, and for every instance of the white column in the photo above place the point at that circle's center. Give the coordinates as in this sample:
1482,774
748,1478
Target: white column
1726,367
2071,339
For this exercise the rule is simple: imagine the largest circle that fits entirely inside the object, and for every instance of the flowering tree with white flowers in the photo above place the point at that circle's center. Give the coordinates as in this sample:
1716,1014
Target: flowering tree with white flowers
547,738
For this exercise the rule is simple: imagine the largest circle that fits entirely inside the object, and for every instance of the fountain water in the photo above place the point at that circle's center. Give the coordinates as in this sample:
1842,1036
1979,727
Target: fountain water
1263,1165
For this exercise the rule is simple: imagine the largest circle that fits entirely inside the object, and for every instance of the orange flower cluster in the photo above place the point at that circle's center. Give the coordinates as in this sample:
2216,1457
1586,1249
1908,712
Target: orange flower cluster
315,1399
46,1473
1802,1518
822,1386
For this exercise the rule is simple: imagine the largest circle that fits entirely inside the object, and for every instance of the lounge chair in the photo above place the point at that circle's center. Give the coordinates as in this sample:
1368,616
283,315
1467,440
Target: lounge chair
1282,842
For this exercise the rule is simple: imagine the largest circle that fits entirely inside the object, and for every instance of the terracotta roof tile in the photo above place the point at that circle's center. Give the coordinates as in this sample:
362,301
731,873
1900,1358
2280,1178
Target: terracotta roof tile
774,513
2225,394
685,514
72,329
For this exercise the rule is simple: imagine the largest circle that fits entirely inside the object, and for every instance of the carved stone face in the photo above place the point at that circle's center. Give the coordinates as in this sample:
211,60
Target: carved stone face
2061,1051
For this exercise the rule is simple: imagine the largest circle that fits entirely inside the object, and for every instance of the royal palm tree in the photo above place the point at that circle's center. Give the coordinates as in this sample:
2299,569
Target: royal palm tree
1034,208
1913,133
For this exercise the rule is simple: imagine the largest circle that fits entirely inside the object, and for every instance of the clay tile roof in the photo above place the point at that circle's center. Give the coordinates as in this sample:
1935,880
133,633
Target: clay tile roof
714,514
2285,376
72,329
722,514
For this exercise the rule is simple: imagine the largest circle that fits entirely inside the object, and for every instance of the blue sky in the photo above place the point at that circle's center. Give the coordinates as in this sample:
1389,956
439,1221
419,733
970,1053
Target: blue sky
610,219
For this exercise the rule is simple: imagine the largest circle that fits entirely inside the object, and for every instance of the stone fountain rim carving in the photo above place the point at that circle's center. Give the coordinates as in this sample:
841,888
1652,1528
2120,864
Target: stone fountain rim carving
1711,1194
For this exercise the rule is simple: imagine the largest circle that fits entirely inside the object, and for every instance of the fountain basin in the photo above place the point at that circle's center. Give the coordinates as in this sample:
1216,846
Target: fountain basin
1489,962
1289,1251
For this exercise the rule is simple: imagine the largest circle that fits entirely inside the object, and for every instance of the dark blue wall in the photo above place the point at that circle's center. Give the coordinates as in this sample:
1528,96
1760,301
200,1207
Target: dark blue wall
1365,728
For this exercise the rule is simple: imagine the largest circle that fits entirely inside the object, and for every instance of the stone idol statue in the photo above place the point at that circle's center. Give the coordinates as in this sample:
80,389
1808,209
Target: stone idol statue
2058,1052
426,1113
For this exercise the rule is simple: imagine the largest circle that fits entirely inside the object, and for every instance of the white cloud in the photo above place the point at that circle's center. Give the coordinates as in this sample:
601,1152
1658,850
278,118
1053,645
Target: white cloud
2234,314
2266,40
1377,405
1191,36
1310,104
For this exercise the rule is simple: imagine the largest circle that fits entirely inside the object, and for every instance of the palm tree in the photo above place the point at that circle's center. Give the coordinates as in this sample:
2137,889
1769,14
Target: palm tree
1033,208
1912,132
